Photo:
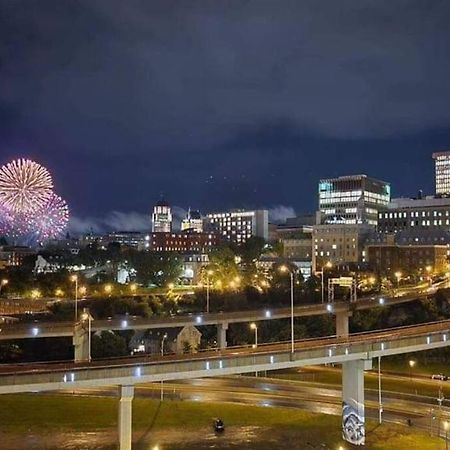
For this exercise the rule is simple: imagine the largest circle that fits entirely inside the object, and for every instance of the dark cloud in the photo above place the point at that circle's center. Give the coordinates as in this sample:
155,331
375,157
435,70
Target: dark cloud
220,104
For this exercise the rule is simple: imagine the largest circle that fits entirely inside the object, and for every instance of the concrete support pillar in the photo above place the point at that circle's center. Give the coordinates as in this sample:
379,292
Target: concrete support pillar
222,335
342,318
80,343
353,417
126,394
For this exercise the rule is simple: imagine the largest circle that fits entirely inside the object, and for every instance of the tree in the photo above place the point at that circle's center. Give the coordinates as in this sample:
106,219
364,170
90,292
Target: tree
223,265
108,344
155,268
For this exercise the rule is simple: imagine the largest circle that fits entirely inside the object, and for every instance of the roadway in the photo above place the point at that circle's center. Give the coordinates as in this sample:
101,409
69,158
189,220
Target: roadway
66,329
235,360
266,392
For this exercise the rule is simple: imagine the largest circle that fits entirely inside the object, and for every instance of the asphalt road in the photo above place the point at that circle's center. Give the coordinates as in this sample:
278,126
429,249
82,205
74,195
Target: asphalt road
324,399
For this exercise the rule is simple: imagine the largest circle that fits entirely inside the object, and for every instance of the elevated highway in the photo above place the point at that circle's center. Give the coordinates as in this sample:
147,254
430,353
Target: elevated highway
354,352
223,319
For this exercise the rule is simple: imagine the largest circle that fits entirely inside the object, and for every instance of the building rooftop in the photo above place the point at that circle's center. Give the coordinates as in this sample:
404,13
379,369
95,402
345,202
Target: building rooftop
428,201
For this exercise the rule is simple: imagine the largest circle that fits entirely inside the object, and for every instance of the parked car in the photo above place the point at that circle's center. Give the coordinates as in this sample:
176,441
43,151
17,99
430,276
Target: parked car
439,377
219,426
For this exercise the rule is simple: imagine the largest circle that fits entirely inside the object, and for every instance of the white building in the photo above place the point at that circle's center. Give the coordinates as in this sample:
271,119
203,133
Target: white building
162,218
442,169
239,226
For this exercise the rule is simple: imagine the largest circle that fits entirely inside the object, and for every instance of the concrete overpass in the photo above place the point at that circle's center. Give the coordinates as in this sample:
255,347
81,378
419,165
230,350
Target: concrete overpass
354,352
80,331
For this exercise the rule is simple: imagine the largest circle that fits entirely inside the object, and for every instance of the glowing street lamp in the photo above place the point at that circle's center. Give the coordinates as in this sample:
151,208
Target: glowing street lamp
108,289
35,293
133,287
412,364
74,279
87,317
162,343
83,290
59,292
254,327
170,286
398,276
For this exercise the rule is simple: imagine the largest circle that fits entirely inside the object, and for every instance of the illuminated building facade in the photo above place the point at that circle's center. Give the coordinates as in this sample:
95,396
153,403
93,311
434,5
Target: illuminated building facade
339,244
239,226
355,199
442,170
186,242
162,218
193,221
422,214
386,259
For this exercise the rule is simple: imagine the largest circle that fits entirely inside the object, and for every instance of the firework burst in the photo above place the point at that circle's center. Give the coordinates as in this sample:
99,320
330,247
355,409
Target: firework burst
25,186
52,220
30,212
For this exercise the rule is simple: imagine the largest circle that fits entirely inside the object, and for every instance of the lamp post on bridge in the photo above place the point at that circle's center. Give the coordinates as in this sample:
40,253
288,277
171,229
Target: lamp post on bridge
328,265
74,279
254,327
291,274
87,316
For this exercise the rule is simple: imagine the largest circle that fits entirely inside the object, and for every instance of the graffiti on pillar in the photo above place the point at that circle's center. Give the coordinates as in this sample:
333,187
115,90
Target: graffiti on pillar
353,429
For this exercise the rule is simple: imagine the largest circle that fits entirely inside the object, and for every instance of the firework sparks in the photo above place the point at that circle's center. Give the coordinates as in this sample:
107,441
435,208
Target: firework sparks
25,186
29,209
52,220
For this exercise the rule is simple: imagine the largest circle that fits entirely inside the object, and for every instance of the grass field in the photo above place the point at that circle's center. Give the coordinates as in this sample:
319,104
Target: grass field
187,425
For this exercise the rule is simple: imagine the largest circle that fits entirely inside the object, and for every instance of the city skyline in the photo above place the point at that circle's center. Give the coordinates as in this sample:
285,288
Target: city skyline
244,107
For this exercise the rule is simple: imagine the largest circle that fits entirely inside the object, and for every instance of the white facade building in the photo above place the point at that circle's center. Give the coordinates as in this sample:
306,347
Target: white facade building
162,218
239,226
442,169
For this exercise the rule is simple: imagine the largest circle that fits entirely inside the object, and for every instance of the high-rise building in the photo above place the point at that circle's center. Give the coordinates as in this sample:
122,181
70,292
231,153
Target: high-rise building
193,221
239,226
442,169
162,218
355,199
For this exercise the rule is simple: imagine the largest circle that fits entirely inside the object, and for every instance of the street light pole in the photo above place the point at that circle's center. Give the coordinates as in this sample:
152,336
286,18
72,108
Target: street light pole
162,344
323,286
208,274
380,403
207,294
291,273
162,354
292,314
74,278
87,316
254,327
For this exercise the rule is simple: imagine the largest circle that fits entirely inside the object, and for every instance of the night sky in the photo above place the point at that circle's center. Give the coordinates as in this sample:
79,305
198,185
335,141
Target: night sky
221,104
